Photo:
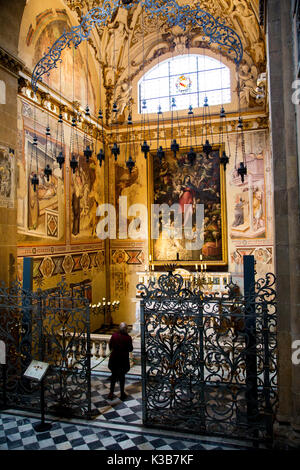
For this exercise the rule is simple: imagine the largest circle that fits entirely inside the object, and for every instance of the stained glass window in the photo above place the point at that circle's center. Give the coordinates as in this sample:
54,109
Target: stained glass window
188,79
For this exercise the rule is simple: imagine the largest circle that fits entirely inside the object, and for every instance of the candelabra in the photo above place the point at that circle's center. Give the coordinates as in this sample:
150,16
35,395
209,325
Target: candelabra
105,308
200,279
150,275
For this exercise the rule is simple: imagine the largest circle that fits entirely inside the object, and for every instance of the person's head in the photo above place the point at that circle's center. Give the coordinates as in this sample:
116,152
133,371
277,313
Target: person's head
123,327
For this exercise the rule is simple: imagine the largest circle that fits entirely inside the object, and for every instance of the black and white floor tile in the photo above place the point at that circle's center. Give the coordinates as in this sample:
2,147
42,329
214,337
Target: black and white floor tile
17,433
129,411
118,426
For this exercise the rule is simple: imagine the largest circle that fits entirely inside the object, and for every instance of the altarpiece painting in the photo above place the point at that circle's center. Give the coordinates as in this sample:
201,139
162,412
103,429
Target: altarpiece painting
175,180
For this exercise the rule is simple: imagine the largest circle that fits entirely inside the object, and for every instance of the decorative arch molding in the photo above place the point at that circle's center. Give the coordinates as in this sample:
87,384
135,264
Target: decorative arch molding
213,28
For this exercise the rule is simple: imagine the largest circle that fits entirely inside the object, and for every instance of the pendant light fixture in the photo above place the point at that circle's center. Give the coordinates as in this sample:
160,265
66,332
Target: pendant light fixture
206,122
174,143
74,146
48,149
206,145
115,150
191,153
87,142
159,152
145,147
224,158
34,155
101,153
60,140
59,150
240,141
130,163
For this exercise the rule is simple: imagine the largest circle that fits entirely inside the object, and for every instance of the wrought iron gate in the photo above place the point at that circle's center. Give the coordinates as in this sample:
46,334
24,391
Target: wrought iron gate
209,363
51,326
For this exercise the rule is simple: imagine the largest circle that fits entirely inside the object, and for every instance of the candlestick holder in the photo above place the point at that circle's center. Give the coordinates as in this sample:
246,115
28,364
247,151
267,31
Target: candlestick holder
200,279
106,309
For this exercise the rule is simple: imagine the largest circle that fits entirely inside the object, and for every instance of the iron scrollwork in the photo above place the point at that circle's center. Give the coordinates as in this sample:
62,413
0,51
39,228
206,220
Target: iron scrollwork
52,326
176,15
202,371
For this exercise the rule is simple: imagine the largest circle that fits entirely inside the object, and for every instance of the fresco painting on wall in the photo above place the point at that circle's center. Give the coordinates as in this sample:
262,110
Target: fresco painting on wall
6,177
250,209
176,181
86,193
65,69
41,212
125,185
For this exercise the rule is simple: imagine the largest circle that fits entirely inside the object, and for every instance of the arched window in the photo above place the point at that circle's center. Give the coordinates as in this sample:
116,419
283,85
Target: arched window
188,79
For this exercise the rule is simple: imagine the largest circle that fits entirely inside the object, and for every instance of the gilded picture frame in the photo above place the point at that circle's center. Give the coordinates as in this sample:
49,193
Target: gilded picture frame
169,176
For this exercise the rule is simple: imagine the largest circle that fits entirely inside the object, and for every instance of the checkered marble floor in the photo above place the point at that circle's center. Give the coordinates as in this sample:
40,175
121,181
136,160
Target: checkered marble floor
117,411
17,433
118,426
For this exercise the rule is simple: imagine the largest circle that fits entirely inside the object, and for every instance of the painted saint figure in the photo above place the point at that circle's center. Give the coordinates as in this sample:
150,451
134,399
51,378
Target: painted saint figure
187,197
238,213
76,196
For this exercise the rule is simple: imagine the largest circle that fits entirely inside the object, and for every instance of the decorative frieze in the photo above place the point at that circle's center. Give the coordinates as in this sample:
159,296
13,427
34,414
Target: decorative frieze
10,63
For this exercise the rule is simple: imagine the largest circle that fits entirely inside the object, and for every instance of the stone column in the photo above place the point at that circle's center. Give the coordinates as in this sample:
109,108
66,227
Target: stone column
287,227
9,74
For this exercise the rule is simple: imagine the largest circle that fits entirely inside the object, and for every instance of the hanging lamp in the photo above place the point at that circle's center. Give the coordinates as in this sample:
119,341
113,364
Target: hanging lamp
174,143
145,147
130,163
191,153
74,146
101,153
47,169
87,142
159,151
224,159
240,139
73,150
59,150
60,139
34,156
206,146
242,169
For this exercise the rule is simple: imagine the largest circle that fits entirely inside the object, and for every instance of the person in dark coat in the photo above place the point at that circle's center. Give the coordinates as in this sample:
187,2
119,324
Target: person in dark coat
120,345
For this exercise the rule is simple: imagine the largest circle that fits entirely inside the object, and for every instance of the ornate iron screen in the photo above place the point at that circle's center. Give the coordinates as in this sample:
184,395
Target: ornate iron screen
209,363
53,327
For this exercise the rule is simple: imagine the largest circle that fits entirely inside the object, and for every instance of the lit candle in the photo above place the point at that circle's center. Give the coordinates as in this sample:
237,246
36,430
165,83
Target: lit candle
196,267
108,303
201,267
150,258
152,267
205,266
201,257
